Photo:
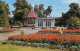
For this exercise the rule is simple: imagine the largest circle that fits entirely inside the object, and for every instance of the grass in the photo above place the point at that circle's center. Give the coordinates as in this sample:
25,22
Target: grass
8,47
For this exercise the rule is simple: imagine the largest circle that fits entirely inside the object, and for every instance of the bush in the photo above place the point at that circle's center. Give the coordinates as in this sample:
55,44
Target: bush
4,42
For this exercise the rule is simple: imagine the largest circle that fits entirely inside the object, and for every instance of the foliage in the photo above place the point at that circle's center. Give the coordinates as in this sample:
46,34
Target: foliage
41,6
4,42
73,23
11,20
22,8
39,9
74,6
4,14
74,11
22,32
36,9
61,31
21,25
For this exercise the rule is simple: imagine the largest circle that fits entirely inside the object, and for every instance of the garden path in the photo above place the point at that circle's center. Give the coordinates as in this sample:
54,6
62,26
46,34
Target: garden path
26,31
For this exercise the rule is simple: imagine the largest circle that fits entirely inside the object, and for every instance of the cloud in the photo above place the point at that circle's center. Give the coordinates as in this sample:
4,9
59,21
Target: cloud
70,1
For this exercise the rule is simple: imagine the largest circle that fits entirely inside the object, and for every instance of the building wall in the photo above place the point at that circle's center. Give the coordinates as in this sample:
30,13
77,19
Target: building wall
44,20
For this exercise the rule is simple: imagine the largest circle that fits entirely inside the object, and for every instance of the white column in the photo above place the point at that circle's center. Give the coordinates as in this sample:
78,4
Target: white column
44,23
36,23
53,23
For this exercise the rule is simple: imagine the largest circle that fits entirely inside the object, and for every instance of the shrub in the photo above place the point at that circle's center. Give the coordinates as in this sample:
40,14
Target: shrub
4,42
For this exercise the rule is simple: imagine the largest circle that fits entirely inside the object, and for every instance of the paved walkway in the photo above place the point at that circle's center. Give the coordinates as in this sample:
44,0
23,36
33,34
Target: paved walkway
26,31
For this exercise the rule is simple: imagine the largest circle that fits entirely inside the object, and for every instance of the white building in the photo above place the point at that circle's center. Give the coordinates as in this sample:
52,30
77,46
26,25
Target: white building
38,22
45,22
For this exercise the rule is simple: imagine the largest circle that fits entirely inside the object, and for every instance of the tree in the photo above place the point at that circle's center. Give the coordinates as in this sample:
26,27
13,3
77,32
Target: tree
74,6
36,9
11,20
4,14
30,7
73,23
39,10
41,6
22,8
74,11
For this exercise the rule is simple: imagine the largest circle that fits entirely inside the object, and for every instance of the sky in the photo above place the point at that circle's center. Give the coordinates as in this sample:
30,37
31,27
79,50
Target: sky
58,6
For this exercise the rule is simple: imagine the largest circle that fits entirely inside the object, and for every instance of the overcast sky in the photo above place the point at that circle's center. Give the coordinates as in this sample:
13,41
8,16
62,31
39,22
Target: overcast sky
59,6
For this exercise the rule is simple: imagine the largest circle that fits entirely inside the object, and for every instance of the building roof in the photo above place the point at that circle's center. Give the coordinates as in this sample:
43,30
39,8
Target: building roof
32,14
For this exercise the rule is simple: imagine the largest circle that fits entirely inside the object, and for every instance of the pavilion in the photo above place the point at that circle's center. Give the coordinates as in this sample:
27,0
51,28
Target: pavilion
29,20
32,19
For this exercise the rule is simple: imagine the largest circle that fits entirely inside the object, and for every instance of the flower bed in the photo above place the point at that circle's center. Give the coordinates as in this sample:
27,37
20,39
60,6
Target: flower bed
72,31
51,39
57,32
48,32
6,30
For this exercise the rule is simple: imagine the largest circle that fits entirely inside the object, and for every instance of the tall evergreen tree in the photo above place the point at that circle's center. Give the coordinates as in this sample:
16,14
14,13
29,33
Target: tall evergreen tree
4,14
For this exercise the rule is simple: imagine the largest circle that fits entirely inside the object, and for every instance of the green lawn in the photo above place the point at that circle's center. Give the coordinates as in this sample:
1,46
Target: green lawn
7,47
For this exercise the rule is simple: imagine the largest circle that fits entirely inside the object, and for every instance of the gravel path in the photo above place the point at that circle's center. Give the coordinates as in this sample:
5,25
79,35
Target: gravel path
26,31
